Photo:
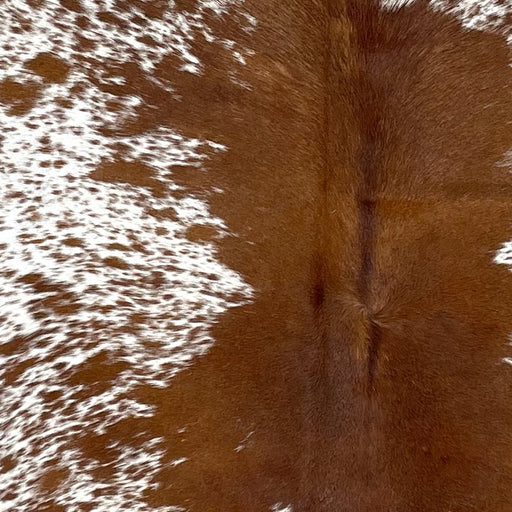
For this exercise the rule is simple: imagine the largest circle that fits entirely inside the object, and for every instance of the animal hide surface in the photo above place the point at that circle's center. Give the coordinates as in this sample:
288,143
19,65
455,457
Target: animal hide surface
255,256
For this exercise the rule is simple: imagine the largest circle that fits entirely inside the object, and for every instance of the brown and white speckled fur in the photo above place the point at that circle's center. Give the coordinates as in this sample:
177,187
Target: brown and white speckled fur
337,169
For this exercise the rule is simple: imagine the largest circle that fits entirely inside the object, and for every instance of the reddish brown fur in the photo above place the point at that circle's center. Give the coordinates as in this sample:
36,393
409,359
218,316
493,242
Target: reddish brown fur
362,183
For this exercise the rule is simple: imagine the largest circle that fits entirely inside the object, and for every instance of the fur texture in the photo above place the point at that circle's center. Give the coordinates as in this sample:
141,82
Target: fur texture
350,163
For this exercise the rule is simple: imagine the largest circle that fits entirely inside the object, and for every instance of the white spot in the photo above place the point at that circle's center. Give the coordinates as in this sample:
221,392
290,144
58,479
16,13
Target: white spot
279,507
395,4
244,442
177,462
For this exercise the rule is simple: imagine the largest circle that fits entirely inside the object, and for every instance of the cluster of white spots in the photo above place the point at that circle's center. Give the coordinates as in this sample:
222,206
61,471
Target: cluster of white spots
477,14
106,30
279,507
473,14
95,274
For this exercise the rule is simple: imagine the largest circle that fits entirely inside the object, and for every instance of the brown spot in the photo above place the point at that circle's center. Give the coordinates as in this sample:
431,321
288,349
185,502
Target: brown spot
51,480
49,67
64,102
115,262
147,39
6,464
109,17
160,231
138,318
21,97
15,195
157,279
82,22
118,247
40,283
52,396
164,213
73,242
71,5
64,303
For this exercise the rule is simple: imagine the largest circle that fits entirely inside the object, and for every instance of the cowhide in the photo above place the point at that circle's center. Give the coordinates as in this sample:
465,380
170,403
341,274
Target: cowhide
255,256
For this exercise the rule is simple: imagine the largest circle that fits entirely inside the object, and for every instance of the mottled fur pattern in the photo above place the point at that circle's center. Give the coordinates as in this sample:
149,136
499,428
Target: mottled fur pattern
357,169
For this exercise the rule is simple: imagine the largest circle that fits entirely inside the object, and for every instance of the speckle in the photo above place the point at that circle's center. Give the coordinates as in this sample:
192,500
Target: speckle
115,263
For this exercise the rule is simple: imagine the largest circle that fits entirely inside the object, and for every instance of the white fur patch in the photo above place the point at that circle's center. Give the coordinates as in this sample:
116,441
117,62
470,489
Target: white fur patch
81,259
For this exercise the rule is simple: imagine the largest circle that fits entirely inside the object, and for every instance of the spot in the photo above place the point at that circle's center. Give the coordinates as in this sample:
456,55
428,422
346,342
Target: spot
164,213
138,318
40,284
51,480
52,396
109,17
73,242
200,233
161,231
148,40
6,464
20,97
71,5
114,262
118,247
156,279
49,67
63,303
